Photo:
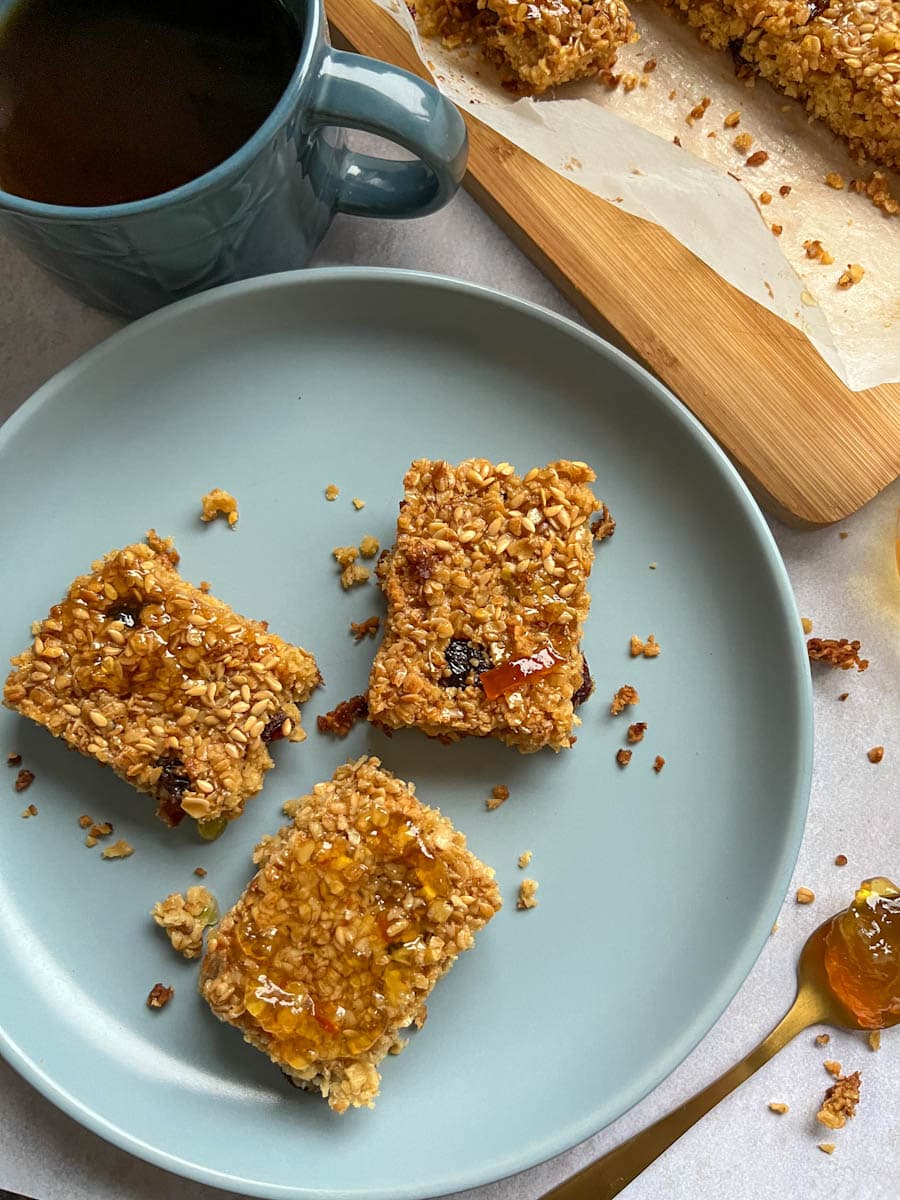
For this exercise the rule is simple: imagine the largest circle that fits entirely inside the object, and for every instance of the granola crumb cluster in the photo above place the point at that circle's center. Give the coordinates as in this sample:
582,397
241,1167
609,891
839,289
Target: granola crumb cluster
343,717
160,995
524,859
219,503
364,629
604,525
649,649
119,849
145,673
878,189
840,1102
625,696
838,57
534,46
486,579
352,572
499,795
185,919
836,652
528,894
356,911
24,780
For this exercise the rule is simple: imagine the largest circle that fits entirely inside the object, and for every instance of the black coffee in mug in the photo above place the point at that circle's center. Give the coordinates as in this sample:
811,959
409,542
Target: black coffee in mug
106,101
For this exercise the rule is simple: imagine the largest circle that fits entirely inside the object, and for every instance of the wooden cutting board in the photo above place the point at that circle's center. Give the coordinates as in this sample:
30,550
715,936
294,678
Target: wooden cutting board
811,450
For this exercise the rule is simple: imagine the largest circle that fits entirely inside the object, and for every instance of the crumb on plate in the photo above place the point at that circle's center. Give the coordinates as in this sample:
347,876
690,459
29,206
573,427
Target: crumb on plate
527,894
219,503
658,763
185,919
369,546
364,629
625,696
119,849
24,779
499,794
636,731
344,716
524,859
332,492
160,995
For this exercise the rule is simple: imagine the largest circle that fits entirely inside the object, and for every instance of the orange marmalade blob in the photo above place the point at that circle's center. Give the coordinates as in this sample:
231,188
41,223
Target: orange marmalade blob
367,887
862,953
509,675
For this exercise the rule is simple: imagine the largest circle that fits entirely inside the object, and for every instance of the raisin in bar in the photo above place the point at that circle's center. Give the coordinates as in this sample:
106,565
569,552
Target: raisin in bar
357,910
840,58
486,598
535,46
164,683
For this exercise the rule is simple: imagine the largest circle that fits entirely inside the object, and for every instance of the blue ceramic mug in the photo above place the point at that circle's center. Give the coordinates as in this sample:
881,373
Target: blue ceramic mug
268,206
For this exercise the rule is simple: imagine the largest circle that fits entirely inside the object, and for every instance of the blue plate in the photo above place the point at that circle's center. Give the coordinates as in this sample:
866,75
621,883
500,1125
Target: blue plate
657,891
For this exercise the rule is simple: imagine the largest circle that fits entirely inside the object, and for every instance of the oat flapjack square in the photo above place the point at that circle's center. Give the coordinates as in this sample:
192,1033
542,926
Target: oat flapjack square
164,683
356,911
486,598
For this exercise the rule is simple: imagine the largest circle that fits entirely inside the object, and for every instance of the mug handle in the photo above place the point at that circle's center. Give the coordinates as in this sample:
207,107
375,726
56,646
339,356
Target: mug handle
362,93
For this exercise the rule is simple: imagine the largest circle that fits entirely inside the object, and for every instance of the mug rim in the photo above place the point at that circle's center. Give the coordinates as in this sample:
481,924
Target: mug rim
23,206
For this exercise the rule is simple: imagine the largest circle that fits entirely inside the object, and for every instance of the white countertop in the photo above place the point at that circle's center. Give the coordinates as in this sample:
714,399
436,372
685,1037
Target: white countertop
848,587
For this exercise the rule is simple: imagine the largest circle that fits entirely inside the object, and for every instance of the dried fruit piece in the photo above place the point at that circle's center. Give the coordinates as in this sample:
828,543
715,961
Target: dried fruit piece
509,676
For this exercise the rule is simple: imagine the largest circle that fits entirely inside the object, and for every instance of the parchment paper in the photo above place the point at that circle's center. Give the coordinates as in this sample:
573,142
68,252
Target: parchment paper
619,145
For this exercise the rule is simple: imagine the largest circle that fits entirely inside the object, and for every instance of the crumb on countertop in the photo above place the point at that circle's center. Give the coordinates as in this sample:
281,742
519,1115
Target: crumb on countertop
832,1066
777,1106
807,624
840,860
822,1039
636,731
217,503
524,859
185,918
805,895
332,492
876,754
625,696
827,1147
119,849
623,757
344,716
851,276
160,995
499,794
364,629
604,525
840,1102
874,1039
369,546
843,695
527,894
836,652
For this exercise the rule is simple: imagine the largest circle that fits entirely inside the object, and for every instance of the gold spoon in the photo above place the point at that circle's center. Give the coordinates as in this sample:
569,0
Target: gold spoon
815,1004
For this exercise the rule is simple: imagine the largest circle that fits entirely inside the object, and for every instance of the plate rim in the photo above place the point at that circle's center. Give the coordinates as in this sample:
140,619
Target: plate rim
797,677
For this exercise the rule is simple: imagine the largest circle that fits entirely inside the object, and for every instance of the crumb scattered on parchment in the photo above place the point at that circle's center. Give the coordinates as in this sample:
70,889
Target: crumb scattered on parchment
24,779
765,197
30,811
649,65
807,624
499,794
822,1039
843,535
784,191
698,111
625,696
805,895
219,503
851,276
658,763
677,140
832,1066
778,230
836,652
878,190
743,142
358,504
777,1107
840,1102
13,759
160,995
649,649
835,180
757,159
733,118
827,1147
527,894
603,525
840,860
876,754
874,1039
332,492
524,859
815,250
344,716
636,731
364,629
201,872
369,546
774,929
623,757
119,849
185,919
